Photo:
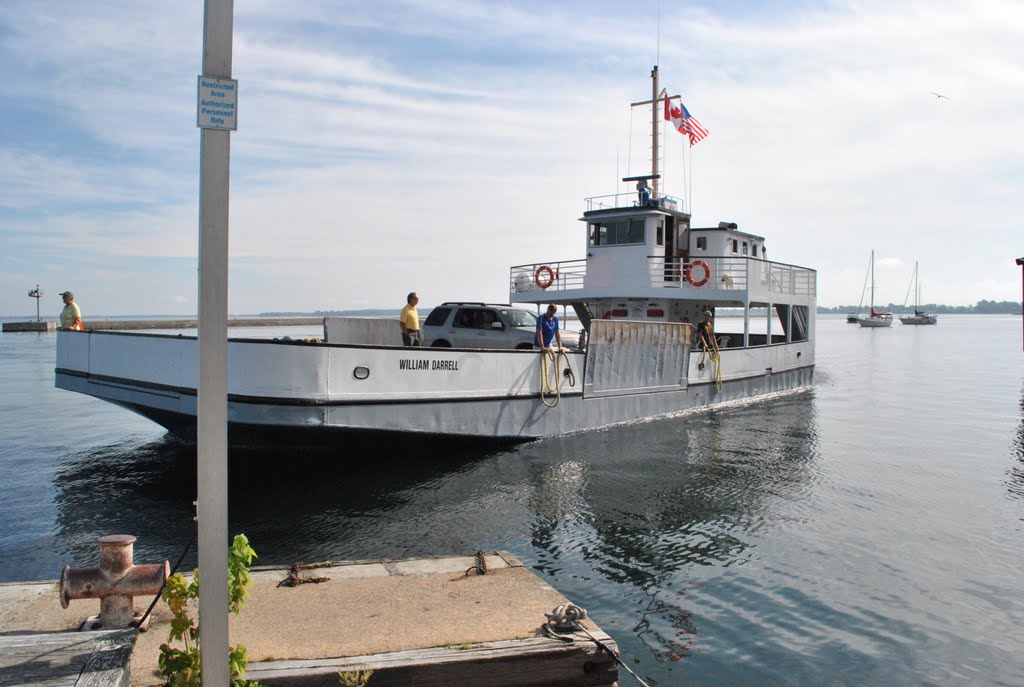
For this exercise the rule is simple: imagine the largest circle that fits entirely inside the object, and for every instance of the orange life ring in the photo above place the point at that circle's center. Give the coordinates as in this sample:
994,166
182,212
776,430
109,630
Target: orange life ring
542,270
703,280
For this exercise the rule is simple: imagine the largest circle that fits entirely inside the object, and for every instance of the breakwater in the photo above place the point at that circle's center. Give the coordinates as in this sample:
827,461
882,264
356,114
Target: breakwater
193,324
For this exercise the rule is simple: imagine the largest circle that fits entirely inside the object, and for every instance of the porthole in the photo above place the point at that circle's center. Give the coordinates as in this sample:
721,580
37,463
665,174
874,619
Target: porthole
361,372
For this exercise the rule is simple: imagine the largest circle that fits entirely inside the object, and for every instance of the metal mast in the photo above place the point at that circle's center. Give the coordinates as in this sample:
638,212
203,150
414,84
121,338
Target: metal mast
654,102
654,133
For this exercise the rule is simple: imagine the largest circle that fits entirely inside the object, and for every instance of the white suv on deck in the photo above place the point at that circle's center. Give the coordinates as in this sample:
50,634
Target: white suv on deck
483,325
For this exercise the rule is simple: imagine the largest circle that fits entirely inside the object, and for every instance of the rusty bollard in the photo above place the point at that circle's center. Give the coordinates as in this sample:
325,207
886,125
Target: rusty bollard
115,583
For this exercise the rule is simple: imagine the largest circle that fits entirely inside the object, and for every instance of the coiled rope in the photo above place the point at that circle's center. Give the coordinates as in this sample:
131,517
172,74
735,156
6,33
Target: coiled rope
564,621
550,380
714,356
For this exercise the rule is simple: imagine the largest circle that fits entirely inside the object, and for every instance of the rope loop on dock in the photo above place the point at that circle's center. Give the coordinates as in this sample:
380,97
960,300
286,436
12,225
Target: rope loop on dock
479,566
565,619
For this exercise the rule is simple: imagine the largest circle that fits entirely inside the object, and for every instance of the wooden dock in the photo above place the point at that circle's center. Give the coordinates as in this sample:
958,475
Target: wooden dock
434,621
67,659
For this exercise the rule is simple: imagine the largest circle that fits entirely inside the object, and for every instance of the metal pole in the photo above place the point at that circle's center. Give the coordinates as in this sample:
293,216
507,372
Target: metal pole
212,411
654,132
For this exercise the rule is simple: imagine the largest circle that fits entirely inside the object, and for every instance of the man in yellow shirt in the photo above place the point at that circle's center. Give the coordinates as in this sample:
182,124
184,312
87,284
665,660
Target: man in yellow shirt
70,316
409,321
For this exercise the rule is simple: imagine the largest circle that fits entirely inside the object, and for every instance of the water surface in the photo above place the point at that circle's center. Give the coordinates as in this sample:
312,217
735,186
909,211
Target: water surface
868,531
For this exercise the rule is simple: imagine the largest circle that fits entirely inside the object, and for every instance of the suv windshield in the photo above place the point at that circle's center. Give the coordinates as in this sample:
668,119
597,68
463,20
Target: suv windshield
519,318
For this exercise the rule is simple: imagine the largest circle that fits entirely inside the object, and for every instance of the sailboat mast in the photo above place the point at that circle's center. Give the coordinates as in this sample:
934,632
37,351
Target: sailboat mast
917,289
654,132
872,283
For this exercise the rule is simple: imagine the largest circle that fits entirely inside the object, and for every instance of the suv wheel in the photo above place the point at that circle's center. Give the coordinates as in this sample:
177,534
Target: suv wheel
440,343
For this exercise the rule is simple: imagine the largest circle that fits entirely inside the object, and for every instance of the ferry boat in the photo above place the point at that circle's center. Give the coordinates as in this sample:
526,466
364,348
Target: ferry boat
648,277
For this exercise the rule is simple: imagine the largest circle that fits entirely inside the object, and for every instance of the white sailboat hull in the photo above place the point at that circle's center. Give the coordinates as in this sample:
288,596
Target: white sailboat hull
919,319
874,321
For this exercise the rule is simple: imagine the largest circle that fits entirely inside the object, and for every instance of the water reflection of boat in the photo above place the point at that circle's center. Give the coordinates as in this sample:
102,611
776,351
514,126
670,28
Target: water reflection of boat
667,504
647,278
293,503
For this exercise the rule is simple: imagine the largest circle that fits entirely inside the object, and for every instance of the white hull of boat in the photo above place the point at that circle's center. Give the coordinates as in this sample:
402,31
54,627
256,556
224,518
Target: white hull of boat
919,319
874,321
631,371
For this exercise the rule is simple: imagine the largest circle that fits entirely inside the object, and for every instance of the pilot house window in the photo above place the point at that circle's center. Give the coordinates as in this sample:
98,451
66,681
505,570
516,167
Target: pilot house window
618,233
702,243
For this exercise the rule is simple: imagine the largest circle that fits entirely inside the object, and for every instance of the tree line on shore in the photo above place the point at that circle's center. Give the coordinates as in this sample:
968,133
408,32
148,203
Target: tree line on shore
983,307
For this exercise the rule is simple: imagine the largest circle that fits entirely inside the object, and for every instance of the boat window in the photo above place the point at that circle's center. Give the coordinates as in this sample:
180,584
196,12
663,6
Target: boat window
760,321
800,323
744,247
636,231
437,317
659,236
753,249
702,243
618,233
735,246
782,311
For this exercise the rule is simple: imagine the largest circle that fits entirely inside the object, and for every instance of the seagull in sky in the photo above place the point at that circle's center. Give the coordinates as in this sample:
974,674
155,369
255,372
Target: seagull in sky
938,95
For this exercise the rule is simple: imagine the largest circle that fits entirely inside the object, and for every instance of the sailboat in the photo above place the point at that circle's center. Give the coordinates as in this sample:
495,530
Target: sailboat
919,316
875,318
852,318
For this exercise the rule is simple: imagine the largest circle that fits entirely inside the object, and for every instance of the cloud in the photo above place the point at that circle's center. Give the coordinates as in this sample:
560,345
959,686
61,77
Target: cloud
431,145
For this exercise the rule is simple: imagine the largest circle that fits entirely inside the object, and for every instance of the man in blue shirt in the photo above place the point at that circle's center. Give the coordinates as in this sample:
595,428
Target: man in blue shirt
547,330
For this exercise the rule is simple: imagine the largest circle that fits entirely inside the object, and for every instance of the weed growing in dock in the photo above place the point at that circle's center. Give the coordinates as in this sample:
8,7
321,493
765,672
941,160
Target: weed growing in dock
354,678
182,666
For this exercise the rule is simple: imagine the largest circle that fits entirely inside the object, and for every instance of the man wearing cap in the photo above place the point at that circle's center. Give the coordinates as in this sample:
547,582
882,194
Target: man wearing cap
707,332
70,316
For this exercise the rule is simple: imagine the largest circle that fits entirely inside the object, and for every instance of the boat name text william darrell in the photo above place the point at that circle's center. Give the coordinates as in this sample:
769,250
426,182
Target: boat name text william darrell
410,364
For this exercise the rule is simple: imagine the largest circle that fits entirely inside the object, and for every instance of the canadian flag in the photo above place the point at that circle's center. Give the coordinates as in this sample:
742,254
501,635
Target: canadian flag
683,121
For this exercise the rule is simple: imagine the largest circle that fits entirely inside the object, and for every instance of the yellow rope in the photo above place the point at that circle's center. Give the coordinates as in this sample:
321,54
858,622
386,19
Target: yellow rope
715,358
550,364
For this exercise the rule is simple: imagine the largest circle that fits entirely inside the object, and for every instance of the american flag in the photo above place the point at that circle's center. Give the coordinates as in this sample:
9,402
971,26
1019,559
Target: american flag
684,122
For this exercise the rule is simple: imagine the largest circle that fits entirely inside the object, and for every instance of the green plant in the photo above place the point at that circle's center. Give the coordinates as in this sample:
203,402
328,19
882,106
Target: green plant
183,666
354,678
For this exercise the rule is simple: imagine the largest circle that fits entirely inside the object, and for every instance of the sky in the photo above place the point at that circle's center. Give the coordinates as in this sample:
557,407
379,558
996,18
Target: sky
430,145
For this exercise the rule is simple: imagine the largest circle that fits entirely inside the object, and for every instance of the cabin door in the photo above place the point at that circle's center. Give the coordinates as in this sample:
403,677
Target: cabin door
671,269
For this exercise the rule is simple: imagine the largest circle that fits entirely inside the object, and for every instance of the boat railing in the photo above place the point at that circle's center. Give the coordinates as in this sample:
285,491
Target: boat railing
548,276
732,273
616,201
739,273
